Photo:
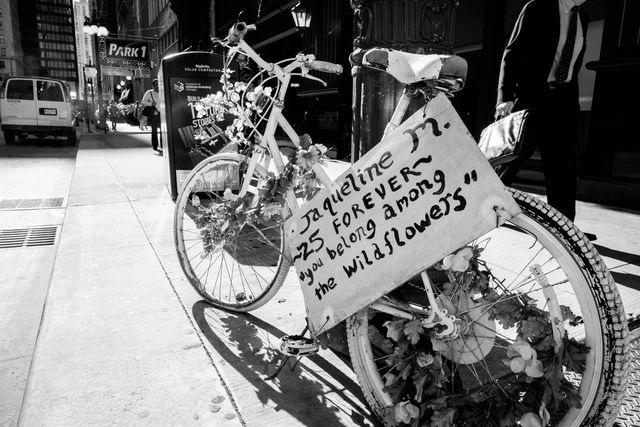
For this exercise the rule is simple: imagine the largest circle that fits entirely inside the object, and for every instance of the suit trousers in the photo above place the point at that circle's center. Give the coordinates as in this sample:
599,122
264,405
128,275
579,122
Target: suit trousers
552,128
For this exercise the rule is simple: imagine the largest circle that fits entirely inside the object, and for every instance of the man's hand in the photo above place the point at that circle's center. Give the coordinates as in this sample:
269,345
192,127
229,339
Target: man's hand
503,109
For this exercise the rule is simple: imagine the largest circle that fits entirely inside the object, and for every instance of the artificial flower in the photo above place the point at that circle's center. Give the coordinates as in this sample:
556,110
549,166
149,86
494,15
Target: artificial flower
458,261
405,411
530,420
228,195
271,210
424,359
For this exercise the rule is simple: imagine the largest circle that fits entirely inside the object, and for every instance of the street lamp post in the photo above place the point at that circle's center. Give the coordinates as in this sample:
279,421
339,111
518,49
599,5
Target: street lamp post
94,28
86,100
91,72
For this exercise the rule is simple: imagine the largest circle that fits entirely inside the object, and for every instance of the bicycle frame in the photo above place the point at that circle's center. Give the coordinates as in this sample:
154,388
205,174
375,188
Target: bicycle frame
276,118
462,320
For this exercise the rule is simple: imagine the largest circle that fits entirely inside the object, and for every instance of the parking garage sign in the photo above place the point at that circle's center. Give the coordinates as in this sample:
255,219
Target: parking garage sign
124,53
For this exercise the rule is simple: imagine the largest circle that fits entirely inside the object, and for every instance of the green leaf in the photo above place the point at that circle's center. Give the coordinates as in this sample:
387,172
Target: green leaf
508,311
575,355
419,378
413,329
535,328
397,390
443,418
394,329
567,314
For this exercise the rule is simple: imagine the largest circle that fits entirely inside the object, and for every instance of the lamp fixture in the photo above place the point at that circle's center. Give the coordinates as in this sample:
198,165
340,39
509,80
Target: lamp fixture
93,26
301,16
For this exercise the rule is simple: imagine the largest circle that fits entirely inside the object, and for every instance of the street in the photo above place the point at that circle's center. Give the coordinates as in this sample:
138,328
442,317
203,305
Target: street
99,325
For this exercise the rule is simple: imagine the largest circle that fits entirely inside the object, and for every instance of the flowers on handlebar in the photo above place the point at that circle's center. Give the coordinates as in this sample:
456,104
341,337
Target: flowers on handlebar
312,155
234,109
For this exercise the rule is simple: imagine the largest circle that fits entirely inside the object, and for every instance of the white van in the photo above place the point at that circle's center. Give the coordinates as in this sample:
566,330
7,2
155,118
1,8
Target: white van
37,106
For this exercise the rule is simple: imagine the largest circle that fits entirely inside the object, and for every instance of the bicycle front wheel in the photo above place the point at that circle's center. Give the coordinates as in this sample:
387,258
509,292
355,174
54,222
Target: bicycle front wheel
235,261
489,373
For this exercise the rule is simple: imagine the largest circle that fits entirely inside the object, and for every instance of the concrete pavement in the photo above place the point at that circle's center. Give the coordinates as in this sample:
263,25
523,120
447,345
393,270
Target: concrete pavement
125,339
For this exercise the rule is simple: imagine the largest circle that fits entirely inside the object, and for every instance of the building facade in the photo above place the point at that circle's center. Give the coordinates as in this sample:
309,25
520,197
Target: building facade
48,40
154,22
608,155
84,44
11,57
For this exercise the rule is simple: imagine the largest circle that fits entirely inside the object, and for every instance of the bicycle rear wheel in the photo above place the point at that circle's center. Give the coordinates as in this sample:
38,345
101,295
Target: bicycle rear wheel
474,386
238,264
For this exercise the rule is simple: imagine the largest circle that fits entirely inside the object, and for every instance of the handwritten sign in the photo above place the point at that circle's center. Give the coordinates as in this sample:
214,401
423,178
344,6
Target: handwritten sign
421,193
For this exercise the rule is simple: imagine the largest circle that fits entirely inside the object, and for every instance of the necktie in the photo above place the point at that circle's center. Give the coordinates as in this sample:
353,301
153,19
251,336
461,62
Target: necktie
567,51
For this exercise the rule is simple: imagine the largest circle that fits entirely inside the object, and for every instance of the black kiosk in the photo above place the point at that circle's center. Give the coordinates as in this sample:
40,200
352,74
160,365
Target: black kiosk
185,78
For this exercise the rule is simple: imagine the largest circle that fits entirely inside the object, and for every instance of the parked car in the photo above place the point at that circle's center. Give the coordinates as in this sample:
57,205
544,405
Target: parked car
37,106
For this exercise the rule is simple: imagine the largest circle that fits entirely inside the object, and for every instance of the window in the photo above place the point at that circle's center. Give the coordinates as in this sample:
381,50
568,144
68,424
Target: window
49,91
20,89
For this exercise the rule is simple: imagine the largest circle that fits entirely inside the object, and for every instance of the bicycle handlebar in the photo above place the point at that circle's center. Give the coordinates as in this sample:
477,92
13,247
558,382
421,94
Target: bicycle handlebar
325,67
238,30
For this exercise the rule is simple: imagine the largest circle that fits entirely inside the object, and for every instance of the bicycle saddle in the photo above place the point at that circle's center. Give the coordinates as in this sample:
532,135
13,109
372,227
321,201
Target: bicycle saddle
409,68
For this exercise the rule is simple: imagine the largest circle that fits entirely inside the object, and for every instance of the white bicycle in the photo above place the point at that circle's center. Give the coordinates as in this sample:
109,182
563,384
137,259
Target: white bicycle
539,336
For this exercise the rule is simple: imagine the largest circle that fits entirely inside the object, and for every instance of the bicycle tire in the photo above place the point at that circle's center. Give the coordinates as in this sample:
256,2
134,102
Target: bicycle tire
256,262
605,382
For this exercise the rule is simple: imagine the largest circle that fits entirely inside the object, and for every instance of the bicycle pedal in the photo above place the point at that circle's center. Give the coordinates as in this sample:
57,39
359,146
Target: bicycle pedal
297,345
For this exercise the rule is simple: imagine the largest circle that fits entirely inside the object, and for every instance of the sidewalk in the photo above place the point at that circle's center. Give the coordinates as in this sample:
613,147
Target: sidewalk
125,340
115,345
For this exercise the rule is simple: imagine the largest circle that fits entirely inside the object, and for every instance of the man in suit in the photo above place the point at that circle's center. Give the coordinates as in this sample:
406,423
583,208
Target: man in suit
539,71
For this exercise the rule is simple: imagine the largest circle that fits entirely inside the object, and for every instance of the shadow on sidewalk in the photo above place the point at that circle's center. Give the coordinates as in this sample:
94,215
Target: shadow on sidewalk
115,140
624,279
301,396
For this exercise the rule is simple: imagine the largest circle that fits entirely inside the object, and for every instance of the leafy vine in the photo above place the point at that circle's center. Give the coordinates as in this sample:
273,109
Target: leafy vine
421,374
236,107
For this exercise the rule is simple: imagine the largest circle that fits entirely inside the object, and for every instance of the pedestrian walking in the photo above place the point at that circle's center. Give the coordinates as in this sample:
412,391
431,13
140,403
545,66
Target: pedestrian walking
101,114
539,71
114,112
150,101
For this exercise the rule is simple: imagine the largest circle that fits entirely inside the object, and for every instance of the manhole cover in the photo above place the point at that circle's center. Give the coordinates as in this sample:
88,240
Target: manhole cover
22,237
54,202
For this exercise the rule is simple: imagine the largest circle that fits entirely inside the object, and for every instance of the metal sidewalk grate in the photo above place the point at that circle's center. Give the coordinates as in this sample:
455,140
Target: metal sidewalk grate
54,202
23,237
629,413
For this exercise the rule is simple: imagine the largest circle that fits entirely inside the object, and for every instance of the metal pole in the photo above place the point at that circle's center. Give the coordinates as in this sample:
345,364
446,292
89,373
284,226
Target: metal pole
93,105
98,76
86,100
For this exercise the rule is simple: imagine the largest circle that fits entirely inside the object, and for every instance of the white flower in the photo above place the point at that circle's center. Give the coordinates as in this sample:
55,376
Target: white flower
228,195
307,158
272,209
530,420
424,359
458,261
389,379
404,411
524,358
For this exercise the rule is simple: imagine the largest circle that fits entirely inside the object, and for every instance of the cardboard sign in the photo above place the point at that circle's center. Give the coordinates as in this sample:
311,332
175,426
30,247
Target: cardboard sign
419,195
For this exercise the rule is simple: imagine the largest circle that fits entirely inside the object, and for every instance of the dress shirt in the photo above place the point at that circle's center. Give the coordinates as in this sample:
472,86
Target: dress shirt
565,9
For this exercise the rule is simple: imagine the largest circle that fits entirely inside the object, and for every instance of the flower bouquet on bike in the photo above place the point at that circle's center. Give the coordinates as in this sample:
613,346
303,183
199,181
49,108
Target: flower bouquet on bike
465,303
